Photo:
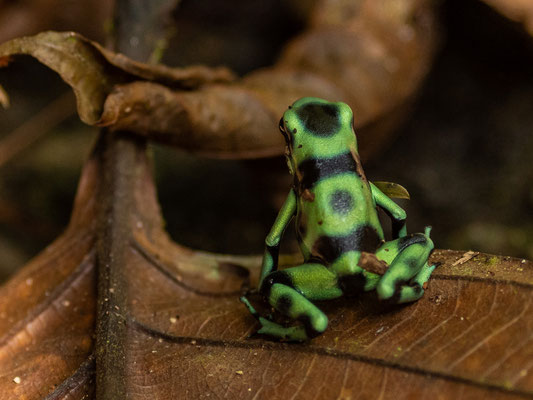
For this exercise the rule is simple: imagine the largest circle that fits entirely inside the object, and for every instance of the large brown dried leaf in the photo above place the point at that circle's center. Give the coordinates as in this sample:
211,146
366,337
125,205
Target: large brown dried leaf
170,324
92,71
370,54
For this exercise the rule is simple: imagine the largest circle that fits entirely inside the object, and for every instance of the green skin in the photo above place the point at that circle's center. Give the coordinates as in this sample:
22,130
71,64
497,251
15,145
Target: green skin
336,221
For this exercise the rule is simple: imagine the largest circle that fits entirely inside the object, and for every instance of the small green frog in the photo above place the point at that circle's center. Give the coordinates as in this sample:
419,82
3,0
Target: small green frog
337,226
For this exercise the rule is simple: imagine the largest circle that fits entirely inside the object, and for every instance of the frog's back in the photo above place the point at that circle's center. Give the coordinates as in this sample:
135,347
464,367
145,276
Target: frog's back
335,209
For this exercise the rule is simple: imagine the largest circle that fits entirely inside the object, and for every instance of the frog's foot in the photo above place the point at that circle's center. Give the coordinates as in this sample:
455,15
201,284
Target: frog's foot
252,310
414,290
290,334
270,328
407,276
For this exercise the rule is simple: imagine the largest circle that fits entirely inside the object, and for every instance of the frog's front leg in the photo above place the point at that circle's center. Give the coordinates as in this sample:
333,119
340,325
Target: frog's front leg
273,239
270,266
393,210
408,271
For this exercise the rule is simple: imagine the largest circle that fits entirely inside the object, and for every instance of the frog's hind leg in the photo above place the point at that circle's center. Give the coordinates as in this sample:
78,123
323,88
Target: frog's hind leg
408,271
268,327
290,292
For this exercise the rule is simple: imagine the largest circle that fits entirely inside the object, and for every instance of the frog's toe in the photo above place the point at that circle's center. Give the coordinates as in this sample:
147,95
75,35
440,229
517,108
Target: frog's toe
385,291
250,308
422,277
292,334
270,328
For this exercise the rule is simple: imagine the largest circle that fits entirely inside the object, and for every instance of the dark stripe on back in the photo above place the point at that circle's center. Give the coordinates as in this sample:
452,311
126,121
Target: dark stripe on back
314,169
329,248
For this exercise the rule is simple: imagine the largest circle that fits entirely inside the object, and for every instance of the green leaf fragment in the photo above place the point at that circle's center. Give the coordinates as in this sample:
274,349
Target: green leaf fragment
393,190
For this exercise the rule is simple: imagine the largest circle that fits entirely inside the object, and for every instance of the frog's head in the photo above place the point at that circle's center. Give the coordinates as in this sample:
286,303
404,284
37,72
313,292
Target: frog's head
316,128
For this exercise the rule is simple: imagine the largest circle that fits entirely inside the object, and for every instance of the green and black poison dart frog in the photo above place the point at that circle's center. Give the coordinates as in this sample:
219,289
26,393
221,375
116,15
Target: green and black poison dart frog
337,227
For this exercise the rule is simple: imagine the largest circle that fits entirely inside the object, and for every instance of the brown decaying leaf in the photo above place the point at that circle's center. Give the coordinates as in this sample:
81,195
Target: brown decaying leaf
520,11
171,325
92,71
370,54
